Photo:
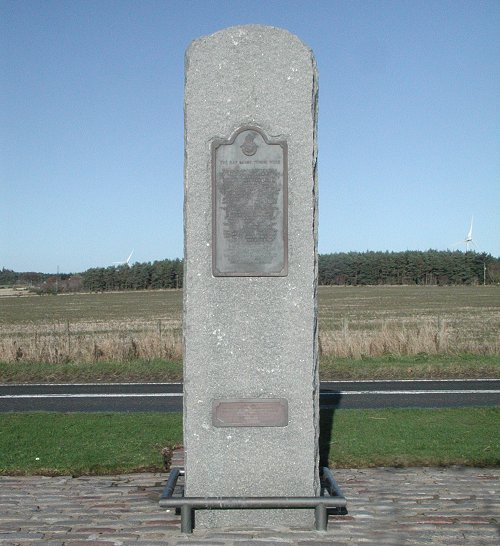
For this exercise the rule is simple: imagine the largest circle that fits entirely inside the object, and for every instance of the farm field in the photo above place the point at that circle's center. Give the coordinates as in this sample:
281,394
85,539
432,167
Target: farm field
360,328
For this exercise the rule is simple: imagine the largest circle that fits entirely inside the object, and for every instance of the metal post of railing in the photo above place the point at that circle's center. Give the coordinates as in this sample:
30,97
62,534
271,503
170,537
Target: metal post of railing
168,491
186,518
331,485
321,517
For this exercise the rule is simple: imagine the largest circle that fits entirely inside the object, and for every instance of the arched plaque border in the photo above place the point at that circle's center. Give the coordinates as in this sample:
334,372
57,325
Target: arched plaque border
274,148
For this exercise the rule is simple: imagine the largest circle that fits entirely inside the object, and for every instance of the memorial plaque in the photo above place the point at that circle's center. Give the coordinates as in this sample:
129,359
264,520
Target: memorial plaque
249,205
250,412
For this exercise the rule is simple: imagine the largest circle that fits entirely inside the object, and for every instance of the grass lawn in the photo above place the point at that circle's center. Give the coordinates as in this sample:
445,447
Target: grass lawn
331,369
157,370
413,437
78,443
421,366
108,443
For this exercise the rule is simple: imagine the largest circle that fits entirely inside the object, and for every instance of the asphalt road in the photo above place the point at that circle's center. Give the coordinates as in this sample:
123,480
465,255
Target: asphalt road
132,397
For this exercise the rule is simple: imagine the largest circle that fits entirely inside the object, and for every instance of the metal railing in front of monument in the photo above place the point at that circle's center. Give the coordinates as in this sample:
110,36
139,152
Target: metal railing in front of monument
331,498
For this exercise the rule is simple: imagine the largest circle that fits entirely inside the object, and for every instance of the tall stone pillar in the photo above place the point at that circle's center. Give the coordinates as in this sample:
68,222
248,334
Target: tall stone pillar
251,413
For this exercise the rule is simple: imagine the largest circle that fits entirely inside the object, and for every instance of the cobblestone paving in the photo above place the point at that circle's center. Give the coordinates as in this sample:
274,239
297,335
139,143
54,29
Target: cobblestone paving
387,506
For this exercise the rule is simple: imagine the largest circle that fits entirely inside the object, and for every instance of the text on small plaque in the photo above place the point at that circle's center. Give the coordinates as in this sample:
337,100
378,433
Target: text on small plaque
247,412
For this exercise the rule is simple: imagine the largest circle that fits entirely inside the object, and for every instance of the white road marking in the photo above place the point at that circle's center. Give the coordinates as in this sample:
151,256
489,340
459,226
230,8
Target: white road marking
465,380
94,395
168,394
90,384
179,383
343,393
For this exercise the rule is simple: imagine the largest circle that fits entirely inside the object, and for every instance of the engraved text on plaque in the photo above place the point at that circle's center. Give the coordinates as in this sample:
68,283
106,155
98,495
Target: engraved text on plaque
250,412
249,205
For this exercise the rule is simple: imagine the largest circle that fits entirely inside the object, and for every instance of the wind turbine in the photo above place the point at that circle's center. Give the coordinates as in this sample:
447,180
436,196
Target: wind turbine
468,241
125,262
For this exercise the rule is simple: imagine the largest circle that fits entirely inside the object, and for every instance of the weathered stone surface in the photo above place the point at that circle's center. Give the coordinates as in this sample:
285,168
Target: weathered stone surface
251,336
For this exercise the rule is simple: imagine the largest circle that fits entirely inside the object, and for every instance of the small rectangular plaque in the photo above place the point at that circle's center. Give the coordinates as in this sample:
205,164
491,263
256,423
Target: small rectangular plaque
250,412
249,205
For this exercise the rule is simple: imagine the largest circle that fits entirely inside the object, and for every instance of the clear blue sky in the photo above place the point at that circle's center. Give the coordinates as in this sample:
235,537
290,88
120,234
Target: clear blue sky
91,124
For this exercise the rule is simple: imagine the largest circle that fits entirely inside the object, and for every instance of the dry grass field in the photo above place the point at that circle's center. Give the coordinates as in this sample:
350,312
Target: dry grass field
114,326
355,322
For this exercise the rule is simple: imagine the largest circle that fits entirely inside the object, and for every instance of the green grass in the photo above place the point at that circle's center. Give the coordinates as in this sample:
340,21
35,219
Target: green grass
421,366
162,371
331,369
109,443
94,443
414,437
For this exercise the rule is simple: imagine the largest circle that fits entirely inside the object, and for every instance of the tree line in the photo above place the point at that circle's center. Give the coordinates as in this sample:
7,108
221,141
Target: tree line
41,282
139,276
431,267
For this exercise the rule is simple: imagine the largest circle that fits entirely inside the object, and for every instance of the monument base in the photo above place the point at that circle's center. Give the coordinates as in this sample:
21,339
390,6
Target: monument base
172,497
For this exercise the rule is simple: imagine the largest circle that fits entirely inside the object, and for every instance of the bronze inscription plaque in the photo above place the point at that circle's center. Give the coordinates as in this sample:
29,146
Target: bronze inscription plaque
249,205
250,412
